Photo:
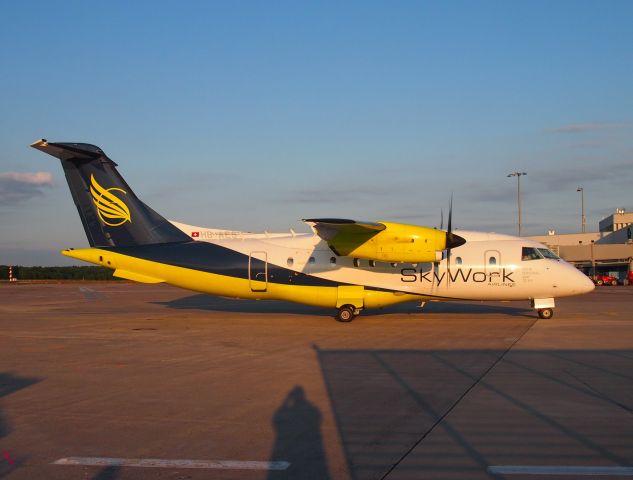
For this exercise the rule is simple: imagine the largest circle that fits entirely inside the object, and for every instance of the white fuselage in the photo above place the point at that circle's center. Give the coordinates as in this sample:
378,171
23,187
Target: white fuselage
488,266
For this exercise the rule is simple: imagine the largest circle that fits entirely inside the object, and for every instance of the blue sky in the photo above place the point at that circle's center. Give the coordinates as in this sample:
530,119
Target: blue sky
251,115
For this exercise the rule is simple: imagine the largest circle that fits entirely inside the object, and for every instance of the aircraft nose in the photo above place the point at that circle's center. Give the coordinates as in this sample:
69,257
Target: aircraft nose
572,281
581,283
586,284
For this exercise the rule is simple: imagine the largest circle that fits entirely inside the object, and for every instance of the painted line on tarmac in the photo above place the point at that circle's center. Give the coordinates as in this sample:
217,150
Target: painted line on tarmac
164,463
559,470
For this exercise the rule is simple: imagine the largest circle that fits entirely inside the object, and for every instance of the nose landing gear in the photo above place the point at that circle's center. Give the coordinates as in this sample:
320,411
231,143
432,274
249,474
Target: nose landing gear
544,307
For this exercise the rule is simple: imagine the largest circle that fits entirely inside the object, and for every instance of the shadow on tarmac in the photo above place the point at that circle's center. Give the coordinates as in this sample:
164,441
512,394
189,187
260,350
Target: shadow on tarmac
542,407
221,304
298,439
9,383
108,473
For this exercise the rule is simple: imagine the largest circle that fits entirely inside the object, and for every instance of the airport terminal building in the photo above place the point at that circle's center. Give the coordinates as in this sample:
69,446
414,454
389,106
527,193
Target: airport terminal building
608,251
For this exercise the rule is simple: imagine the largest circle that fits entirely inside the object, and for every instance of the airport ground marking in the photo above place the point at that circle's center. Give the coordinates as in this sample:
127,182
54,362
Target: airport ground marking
166,463
559,470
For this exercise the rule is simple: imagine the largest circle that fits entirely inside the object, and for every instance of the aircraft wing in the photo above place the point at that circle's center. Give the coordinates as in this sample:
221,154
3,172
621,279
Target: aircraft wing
329,228
382,241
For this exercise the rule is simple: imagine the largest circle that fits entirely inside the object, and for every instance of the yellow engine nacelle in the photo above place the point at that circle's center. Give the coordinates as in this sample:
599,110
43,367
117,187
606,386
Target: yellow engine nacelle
398,242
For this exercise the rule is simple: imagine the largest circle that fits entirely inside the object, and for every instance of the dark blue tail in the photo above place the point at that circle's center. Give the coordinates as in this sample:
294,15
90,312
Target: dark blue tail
111,213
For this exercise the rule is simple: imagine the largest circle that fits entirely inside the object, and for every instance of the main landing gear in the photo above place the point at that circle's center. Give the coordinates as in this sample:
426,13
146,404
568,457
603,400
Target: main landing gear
347,313
546,313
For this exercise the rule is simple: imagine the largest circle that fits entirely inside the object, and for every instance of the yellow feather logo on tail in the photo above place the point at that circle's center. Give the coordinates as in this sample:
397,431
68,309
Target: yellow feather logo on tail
111,209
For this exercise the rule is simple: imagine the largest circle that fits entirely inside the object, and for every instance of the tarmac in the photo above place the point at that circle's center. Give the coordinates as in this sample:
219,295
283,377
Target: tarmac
114,380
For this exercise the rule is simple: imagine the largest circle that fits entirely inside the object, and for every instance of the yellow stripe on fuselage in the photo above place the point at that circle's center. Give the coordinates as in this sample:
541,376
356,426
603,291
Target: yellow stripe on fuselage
147,271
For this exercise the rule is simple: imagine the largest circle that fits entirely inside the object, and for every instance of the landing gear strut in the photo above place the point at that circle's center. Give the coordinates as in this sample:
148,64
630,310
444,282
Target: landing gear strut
545,313
347,313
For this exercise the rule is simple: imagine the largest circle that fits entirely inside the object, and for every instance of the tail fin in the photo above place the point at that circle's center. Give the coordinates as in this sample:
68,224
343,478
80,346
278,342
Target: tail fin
111,213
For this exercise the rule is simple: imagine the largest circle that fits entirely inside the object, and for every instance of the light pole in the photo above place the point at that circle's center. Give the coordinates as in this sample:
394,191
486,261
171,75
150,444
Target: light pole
518,175
583,219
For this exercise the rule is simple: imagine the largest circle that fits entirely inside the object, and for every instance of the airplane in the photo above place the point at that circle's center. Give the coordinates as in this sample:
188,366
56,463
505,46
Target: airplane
342,264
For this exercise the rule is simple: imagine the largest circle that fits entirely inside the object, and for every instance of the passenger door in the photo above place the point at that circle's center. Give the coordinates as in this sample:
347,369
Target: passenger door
258,271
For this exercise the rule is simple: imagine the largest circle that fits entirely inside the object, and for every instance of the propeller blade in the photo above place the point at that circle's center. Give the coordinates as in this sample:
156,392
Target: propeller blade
449,236
450,216
452,240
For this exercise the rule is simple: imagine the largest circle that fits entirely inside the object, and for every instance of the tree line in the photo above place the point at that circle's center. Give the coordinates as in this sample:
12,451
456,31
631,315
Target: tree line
57,273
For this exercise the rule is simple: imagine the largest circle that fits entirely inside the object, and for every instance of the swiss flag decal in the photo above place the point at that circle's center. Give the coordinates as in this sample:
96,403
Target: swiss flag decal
195,234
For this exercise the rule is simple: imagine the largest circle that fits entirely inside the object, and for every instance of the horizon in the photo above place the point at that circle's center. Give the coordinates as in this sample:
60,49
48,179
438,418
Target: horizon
252,116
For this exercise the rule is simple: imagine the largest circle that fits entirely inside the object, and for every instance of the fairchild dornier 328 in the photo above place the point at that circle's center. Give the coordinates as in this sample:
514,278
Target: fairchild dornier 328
343,264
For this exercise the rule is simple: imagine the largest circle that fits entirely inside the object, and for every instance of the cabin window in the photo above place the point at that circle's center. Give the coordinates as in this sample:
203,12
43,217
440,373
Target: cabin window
357,262
492,261
394,264
311,261
529,253
372,263
458,260
290,262
332,260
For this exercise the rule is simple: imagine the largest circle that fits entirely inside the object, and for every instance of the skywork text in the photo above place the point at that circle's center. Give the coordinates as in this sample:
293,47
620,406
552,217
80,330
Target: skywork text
410,275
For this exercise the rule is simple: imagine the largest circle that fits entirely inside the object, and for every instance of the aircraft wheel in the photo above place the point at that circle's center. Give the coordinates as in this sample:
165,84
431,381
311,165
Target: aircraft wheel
345,313
545,313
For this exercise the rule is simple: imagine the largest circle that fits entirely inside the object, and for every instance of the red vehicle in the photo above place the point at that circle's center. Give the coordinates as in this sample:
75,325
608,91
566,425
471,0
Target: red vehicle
628,280
601,279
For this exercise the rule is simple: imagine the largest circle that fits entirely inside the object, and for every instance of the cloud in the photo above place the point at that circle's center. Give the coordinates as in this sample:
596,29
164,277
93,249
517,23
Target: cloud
587,145
16,187
591,173
482,192
336,194
586,127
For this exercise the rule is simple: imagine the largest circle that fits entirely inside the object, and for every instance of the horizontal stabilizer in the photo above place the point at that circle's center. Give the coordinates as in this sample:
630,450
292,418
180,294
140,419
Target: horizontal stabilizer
64,151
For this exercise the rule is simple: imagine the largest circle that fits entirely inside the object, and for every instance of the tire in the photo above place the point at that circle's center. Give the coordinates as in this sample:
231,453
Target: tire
625,282
345,314
599,282
545,313
614,282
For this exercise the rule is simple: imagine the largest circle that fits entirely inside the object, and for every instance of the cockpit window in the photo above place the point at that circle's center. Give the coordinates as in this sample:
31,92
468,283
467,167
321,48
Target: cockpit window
529,253
547,253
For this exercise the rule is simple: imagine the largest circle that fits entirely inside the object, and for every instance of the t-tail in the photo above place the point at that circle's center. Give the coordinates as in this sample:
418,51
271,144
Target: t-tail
112,215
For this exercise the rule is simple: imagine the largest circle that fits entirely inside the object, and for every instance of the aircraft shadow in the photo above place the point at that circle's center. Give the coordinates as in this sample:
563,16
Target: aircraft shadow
221,304
9,383
108,473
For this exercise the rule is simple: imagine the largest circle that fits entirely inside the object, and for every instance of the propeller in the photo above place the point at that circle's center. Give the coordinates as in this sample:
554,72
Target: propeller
452,241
